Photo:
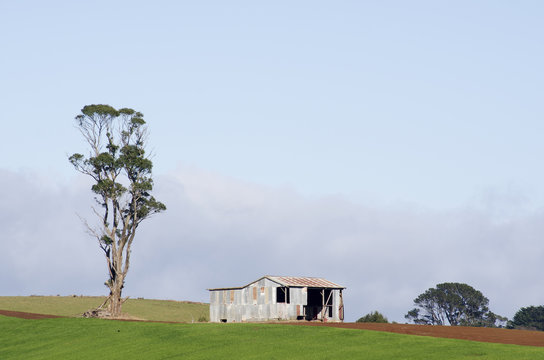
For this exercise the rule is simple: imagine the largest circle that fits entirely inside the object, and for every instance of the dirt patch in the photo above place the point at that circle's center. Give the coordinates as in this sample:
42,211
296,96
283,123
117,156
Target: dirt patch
502,336
25,315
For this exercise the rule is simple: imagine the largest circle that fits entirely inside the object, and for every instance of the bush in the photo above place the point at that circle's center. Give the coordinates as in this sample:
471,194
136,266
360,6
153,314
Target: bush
373,317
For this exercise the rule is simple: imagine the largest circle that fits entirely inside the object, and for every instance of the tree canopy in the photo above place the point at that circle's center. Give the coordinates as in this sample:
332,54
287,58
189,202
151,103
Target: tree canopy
453,304
531,318
121,170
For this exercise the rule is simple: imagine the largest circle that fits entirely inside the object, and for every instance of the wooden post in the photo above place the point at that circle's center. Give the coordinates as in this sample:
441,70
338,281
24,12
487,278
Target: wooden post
322,305
341,307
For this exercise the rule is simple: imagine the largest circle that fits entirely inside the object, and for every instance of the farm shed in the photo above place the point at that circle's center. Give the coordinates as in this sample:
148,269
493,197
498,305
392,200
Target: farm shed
278,298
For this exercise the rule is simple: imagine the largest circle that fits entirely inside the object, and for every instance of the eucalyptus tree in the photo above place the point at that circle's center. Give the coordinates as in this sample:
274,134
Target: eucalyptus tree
122,183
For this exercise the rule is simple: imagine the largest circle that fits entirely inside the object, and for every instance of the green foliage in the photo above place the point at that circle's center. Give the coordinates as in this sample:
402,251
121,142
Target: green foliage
105,239
530,318
106,339
100,110
373,317
126,111
454,303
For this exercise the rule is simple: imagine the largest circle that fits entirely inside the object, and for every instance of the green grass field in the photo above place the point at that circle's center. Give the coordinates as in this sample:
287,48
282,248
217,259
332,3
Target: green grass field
158,310
77,338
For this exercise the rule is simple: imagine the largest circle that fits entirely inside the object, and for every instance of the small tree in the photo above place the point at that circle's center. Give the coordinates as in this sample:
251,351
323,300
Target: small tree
373,317
121,171
454,303
530,318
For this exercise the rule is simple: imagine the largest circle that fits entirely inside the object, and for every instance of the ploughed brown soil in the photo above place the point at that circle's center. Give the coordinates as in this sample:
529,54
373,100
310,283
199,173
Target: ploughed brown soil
25,315
33,316
502,336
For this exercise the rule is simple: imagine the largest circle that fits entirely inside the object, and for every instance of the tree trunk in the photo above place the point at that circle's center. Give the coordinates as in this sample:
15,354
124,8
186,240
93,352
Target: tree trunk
115,298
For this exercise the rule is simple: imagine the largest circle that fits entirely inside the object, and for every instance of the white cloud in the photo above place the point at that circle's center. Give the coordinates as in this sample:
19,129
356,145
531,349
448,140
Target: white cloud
219,231
44,249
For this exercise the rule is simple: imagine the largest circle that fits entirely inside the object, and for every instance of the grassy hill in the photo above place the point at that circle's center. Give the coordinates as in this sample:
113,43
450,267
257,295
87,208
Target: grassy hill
80,338
70,338
158,310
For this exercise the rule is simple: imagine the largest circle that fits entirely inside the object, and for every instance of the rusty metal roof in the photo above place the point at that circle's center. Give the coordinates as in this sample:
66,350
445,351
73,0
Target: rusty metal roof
297,281
292,281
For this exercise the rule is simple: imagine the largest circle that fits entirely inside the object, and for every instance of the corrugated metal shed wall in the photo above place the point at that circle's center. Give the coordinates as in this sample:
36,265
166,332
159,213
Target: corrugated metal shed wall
257,302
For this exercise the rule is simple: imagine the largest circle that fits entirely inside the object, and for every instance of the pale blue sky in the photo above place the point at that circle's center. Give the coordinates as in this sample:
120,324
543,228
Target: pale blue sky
422,101
417,105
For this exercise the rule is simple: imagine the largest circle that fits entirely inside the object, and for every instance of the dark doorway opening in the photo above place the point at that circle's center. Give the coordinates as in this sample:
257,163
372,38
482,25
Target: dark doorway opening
317,300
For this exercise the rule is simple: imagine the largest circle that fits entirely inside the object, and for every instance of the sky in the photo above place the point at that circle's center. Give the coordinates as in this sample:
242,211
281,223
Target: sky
384,145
